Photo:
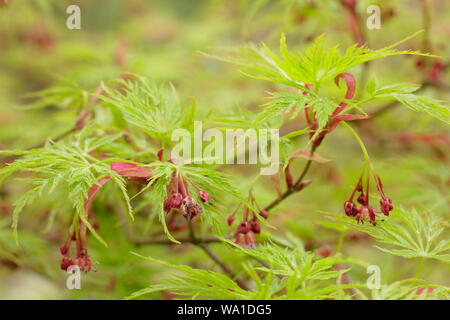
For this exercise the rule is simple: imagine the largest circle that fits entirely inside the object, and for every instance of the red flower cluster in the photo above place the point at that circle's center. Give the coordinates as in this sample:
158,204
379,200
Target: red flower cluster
179,199
79,235
82,258
248,228
366,211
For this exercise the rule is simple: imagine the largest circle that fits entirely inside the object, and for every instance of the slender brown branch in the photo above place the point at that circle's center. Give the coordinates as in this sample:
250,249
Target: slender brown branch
165,241
199,243
292,190
216,259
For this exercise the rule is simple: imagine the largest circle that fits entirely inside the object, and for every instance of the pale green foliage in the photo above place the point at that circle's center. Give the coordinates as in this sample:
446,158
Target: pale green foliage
155,109
70,166
283,273
316,65
319,65
196,282
408,289
297,264
66,94
63,165
286,274
404,93
291,103
408,234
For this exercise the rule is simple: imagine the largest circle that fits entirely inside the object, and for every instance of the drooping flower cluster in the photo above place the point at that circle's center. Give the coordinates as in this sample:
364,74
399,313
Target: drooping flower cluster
82,259
79,234
365,211
248,228
178,198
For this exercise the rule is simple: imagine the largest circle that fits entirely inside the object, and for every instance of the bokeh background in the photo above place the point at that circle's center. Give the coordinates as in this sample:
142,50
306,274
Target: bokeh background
164,40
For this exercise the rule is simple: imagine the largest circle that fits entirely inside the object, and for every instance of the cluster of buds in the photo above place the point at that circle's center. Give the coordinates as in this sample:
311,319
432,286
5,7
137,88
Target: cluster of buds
178,198
128,170
81,259
365,211
248,228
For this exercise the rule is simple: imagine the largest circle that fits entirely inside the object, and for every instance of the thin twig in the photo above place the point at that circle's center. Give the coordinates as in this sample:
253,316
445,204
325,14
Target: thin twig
77,126
165,241
292,190
213,256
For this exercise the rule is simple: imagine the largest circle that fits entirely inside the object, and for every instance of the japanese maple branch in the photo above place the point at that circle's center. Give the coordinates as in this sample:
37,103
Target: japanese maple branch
78,125
201,244
166,241
292,190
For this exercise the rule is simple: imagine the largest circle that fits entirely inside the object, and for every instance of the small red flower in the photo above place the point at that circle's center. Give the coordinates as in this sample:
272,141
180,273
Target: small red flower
190,208
230,220
173,202
255,226
366,211
248,228
179,198
204,196
264,214
66,262
82,258
350,208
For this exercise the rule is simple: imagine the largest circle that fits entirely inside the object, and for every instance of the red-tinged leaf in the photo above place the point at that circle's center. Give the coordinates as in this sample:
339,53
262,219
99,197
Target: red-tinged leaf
93,191
346,117
120,166
137,173
306,154
131,170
